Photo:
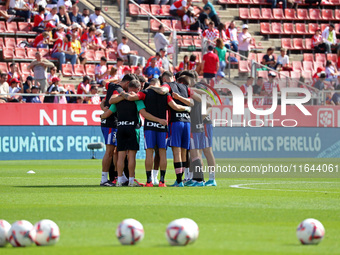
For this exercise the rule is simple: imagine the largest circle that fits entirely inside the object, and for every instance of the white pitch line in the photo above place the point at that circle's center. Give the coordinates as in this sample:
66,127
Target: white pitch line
241,186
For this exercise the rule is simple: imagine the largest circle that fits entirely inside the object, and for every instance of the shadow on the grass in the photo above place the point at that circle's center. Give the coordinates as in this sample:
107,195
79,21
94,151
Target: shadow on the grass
59,186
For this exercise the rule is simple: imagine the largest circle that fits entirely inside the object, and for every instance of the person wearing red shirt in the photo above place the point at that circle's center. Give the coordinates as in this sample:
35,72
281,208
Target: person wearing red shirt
179,8
63,51
317,42
41,41
211,34
210,64
84,87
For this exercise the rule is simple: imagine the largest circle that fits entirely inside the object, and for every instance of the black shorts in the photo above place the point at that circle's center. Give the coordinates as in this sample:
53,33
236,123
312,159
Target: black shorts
127,138
81,58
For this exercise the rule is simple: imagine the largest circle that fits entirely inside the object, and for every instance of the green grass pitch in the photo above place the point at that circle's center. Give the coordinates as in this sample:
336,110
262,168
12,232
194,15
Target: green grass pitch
259,219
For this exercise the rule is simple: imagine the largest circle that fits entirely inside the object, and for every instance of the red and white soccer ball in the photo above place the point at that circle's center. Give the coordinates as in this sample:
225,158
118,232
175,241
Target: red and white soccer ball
4,228
47,233
310,231
194,227
130,232
180,232
21,234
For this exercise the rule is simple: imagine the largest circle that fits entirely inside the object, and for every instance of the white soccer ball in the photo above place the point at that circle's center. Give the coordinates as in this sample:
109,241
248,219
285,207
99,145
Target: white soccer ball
193,227
4,228
310,231
21,234
47,233
179,232
130,232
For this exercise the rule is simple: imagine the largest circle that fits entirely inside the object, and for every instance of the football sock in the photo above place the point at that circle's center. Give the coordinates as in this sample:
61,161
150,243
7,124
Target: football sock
104,177
148,176
186,174
191,175
212,175
131,179
126,168
197,167
125,179
162,175
154,174
178,171
112,173
120,179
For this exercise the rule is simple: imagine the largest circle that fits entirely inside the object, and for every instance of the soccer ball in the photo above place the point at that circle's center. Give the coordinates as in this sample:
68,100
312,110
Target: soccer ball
179,232
21,234
129,232
193,227
47,233
310,231
4,228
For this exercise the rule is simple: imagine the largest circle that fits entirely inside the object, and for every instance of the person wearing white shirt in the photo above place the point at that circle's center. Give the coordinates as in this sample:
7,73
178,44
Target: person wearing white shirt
125,53
244,41
160,40
99,22
20,8
53,17
329,37
86,16
282,59
66,3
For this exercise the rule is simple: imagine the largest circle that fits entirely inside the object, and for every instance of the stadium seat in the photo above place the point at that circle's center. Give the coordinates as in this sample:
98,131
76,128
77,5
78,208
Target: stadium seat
1,42
317,65
327,14
24,68
243,67
20,53
298,44
67,70
166,10
79,70
306,74
187,42
31,53
90,70
277,28
146,7
267,13
265,28
288,28
154,24
177,25
284,74
44,52
323,26
198,43
302,14
12,27
133,10
111,55
3,67
308,44
24,27
244,13
314,14
246,1
263,74
155,9
319,57
8,53
10,43
278,14
332,57
255,13
290,14
297,66
286,43
252,56
98,54
3,28
295,75
312,27
307,66
260,57
89,54
308,57
167,22
300,28
337,14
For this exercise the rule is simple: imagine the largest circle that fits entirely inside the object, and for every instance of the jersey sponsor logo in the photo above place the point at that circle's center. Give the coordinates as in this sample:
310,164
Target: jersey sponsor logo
154,124
199,126
182,115
126,123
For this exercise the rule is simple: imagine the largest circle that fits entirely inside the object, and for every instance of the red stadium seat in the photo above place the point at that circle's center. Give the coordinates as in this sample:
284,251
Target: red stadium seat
337,14
284,74
298,44
265,28
67,70
89,54
90,69
307,66
323,26
12,27
332,57
244,13
167,22
25,27
20,53
327,14
198,43
308,57
3,67
286,43
133,10
297,66
154,24
98,54
300,28
187,42
278,14
306,74
177,25
24,68
166,10
302,14
290,14
308,44
246,1
317,65
70,87
267,13
277,28
314,14
79,70
312,27
260,57
255,13
3,28
319,57
243,67
10,43
111,55
288,28
2,42
8,53
44,52
252,56
146,7
263,74
295,75
31,53
155,9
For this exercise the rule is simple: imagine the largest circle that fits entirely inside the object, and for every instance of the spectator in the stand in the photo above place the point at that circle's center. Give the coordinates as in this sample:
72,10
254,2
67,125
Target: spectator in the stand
111,77
268,86
15,87
283,61
39,67
320,82
226,41
88,38
76,46
14,73
27,87
75,28
9,19
331,71
153,71
165,60
80,100
60,33
275,2
62,97
63,51
39,20
49,28
244,87
63,16
66,3
51,75
193,64
311,2
101,70
94,99
210,64
211,34
257,91
244,41
125,53
4,88
158,61
99,39
160,40
138,70
221,51
99,22
34,99
189,20
317,42
179,8
53,91
53,17
42,40
84,86
336,95
86,16
119,66
212,12
76,17
19,8
269,59
204,19
184,65
329,38
232,35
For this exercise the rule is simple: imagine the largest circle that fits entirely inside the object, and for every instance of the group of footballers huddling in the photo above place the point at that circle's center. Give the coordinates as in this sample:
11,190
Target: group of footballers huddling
173,118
